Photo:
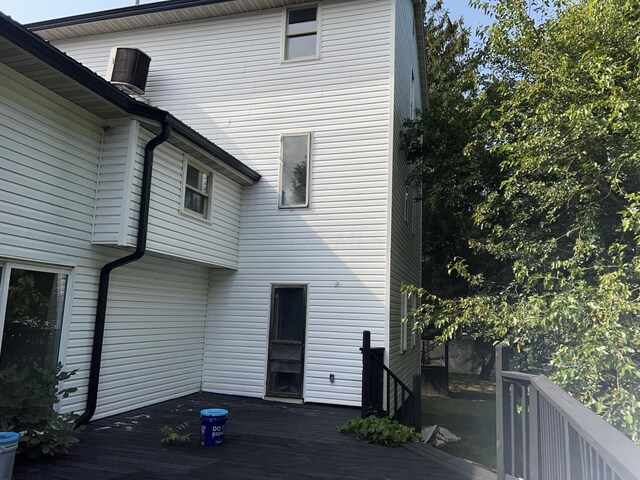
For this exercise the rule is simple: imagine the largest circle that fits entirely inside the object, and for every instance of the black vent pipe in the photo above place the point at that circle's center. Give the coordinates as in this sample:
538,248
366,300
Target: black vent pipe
103,289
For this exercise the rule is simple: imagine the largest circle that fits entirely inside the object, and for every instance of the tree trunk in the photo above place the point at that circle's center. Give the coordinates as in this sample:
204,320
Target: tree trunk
485,373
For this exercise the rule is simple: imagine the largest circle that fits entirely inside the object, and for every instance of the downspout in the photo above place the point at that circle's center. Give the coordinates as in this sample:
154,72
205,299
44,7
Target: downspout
103,289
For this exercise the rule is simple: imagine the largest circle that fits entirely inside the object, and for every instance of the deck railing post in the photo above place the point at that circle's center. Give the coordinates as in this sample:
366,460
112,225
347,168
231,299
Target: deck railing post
417,403
503,427
534,434
366,373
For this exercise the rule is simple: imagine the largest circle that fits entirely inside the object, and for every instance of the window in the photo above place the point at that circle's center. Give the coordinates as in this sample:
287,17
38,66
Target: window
409,200
408,205
412,206
294,171
301,33
417,205
403,324
32,302
414,305
197,189
412,97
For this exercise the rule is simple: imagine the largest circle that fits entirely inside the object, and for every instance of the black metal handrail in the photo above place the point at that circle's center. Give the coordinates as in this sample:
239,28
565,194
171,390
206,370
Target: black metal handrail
404,406
544,433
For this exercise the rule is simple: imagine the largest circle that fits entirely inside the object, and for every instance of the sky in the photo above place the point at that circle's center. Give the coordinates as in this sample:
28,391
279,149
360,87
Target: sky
27,11
460,8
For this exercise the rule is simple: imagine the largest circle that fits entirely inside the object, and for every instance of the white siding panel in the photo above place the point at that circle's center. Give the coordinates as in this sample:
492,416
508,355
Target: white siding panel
49,153
180,235
113,183
154,335
49,156
405,243
225,78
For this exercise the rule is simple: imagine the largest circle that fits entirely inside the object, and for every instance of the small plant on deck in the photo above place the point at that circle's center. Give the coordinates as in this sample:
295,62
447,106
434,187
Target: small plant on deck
27,405
175,435
380,430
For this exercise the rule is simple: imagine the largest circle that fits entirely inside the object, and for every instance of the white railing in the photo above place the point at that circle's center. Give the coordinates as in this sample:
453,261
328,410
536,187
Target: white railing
543,433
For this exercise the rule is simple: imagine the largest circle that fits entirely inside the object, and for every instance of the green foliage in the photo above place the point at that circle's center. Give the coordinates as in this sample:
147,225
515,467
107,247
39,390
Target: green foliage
380,430
27,305
555,270
27,400
175,435
454,169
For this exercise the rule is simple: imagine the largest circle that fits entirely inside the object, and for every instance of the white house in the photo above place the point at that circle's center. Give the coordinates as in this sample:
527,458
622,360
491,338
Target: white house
279,227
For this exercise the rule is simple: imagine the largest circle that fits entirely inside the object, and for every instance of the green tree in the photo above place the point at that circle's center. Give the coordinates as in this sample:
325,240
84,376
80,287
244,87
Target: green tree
563,219
451,184
454,168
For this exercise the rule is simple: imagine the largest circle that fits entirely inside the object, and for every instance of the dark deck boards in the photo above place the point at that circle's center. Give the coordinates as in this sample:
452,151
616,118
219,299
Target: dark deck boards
263,440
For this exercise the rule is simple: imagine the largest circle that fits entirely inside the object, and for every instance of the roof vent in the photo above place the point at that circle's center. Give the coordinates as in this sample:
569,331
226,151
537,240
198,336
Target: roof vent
128,68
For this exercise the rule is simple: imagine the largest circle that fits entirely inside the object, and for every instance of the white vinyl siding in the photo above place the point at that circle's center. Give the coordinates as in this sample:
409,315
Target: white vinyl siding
114,179
49,155
154,334
211,241
242,96
404,354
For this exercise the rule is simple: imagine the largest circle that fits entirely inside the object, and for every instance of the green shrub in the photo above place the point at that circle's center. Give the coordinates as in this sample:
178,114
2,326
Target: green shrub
27,400
175,436
381,430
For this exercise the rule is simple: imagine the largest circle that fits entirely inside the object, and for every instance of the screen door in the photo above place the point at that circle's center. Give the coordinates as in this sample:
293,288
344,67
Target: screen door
285,371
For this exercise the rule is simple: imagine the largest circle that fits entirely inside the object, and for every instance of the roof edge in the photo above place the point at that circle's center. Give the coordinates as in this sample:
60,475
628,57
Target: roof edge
419,8
48,54
111,14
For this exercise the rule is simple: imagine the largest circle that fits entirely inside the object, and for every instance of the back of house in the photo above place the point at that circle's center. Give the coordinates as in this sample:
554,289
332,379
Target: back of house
280,224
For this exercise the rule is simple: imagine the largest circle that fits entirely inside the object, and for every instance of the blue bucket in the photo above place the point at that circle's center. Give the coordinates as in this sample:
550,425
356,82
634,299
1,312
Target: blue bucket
214,423
8,447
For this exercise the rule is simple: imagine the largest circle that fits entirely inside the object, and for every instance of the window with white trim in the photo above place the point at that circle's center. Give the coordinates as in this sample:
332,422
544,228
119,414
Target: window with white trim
197,189
415,221
409,200
406,204
32,303
302,33
295,162
414,305
412,97
403,324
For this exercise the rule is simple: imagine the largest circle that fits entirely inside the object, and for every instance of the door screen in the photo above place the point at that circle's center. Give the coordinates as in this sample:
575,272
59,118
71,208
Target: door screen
286,341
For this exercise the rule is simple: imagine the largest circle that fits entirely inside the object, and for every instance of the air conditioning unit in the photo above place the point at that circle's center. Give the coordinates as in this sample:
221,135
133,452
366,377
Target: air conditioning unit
128,68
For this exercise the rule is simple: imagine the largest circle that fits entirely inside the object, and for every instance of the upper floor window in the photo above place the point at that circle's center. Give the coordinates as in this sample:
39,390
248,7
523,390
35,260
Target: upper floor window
197,189
294,170
301,33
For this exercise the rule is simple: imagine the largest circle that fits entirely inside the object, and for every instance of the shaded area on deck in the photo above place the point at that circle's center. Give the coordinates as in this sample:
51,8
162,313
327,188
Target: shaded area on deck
263,440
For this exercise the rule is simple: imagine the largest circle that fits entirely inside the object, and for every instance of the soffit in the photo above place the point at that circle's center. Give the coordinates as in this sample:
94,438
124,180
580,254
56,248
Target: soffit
149,15
55,81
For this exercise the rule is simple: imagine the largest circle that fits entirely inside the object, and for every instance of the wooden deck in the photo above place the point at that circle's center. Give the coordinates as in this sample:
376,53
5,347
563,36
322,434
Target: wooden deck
263,440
